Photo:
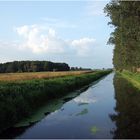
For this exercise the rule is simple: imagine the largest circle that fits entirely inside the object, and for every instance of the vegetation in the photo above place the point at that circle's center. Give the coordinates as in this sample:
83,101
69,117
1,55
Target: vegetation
94,129
47,108
21,99
37,75
79,69
128,110
32,66
125,17
134,78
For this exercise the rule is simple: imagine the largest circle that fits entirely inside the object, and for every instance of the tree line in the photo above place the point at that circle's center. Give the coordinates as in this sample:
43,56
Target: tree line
125,17
32,66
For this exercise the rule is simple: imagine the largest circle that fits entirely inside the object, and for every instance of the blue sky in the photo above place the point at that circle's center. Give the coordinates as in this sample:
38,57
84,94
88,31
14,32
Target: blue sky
75,32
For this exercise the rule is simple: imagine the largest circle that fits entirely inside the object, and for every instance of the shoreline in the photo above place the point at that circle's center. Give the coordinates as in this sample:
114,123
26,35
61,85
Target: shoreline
132,78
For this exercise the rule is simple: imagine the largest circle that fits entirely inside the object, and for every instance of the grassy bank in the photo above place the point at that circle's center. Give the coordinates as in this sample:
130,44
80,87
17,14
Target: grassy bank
20,99
134,78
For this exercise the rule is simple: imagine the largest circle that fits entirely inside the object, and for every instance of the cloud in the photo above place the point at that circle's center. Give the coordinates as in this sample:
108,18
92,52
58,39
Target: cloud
83,46
39,42
34,42
23,30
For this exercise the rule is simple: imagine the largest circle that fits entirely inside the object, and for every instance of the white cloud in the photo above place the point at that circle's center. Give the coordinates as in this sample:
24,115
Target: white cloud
83,46
52,32
23,30
38,42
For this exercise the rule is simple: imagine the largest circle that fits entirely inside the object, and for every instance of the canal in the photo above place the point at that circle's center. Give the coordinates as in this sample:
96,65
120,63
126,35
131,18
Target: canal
108,108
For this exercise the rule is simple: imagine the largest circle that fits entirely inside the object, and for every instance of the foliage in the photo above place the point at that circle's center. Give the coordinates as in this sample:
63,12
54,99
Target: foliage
134,78
80,69
125,16
127,110
32,66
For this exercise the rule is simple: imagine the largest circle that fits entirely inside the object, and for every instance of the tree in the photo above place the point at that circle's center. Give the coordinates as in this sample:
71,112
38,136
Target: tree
33,66
125,16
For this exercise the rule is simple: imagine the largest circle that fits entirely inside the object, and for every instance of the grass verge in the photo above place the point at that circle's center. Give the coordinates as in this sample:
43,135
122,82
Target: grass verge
134,78
20,99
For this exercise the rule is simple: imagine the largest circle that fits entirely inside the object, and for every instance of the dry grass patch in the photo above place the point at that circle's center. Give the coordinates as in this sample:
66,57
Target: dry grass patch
37,75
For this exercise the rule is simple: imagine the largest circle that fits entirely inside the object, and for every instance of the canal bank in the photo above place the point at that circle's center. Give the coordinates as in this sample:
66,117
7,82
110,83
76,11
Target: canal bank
134,78
19,100
108,108
85,116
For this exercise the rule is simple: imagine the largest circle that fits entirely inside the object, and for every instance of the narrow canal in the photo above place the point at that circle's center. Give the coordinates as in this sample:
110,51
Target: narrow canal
109,108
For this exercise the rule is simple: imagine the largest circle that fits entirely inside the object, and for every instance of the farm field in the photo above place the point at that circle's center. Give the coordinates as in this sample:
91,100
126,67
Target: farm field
37,75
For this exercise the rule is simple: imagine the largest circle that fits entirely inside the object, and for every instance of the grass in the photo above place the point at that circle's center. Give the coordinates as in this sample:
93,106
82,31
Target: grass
37,75
134,78
19,100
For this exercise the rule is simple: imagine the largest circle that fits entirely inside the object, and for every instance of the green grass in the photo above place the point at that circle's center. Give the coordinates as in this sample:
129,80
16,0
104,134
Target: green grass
19,100
134,78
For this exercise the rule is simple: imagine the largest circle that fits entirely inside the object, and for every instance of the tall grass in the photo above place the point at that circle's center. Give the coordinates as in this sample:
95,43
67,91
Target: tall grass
134,78
20,99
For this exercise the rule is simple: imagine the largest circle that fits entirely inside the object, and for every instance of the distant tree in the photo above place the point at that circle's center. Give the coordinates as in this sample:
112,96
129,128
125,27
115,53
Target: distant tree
33,66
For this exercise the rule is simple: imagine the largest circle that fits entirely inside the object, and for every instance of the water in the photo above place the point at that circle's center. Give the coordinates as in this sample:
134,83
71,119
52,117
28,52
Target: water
108,109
